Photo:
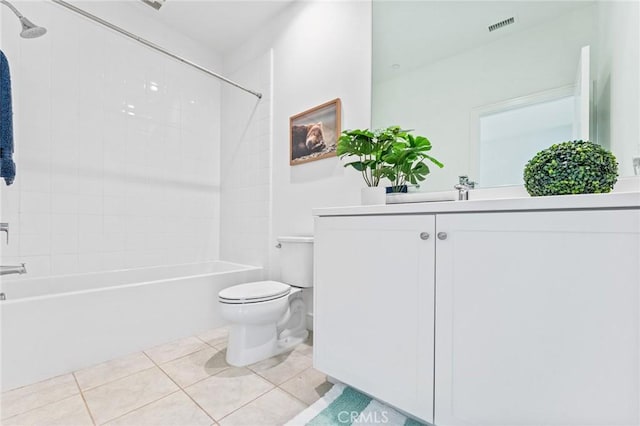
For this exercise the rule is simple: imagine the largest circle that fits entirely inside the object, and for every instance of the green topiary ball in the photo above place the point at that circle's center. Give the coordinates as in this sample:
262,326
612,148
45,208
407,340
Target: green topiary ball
578,167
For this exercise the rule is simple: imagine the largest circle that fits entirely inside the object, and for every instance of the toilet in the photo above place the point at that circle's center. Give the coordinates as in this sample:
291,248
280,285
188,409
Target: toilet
269,317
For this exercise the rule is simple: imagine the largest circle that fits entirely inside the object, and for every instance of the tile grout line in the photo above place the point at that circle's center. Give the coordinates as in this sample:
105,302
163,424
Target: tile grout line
182,356
140,407
131,411
37,408
288,380
155,365
202,380
31,384
175,359
220,348
83,398
263,377
125,376
249,402
40,406
293,396
182,390
210,344
197,381
114,380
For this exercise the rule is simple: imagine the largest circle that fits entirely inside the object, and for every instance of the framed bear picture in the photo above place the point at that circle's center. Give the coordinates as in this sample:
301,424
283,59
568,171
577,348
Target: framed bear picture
313,134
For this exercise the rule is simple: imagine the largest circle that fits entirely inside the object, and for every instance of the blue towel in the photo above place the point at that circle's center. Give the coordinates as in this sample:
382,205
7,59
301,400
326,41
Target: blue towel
7,166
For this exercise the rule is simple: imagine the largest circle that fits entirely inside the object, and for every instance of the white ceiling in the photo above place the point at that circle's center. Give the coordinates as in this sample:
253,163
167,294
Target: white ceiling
408,33
219,24
414,33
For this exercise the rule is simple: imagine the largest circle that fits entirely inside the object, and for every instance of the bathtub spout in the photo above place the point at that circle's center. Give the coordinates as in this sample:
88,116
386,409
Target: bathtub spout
4,227
7,270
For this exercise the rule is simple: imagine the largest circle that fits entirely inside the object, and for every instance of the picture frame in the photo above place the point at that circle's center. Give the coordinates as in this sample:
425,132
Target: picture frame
314,133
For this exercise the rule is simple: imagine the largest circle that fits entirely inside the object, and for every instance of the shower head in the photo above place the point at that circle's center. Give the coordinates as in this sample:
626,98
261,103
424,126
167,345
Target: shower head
29,29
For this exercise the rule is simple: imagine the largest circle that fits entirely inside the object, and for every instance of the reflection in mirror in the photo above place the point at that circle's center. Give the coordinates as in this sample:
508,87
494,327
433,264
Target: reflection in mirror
489,100
514,135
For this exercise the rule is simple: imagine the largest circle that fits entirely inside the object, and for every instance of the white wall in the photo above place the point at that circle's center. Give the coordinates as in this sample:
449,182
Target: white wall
437,100
618,80
102,185
321,51
246,165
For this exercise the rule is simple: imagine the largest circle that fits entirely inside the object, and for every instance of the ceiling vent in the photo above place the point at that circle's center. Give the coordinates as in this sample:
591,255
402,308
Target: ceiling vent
156,4
497,25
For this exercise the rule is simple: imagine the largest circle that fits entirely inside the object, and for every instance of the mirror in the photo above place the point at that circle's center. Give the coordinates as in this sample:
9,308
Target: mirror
491,83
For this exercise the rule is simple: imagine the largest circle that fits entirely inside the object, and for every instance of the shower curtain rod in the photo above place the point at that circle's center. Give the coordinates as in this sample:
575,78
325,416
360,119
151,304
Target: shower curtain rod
152,45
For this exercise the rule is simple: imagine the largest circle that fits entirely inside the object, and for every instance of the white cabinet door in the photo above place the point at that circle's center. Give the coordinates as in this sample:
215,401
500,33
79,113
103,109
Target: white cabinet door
537,319
373,307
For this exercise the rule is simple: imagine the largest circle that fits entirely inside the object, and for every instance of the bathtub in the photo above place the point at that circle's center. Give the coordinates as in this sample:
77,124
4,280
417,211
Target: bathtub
55,325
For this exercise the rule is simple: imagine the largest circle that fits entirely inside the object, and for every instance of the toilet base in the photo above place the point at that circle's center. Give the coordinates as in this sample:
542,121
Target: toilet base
262,330
253,343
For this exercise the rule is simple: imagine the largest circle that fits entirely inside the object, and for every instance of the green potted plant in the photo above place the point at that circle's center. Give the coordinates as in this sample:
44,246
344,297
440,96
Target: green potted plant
404,161
390,153
366,148
574,167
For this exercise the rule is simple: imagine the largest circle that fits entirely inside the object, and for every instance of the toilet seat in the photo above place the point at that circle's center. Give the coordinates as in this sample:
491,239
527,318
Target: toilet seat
259,291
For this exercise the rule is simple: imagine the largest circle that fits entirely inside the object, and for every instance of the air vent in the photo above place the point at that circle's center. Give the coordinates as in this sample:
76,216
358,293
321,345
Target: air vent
156,4
500,24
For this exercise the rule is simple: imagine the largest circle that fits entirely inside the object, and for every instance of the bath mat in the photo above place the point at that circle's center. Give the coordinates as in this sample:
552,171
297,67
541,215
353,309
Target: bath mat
343,406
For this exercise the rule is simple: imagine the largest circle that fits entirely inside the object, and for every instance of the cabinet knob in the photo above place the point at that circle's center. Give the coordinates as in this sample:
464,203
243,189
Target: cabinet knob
442,235
424,235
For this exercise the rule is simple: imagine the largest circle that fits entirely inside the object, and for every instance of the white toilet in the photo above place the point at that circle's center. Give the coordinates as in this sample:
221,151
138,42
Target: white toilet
269,317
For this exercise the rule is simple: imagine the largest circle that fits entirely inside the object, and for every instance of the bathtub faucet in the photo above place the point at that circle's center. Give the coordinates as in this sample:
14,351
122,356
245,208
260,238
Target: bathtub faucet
4,227
8,270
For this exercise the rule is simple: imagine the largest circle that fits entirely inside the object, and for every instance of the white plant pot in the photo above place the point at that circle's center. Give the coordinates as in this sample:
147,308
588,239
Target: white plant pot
373,195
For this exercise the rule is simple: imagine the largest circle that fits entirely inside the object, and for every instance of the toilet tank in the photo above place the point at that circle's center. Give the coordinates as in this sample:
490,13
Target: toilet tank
296,261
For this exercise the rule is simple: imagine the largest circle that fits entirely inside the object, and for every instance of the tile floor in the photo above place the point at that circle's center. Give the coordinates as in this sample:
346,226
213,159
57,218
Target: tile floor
185,383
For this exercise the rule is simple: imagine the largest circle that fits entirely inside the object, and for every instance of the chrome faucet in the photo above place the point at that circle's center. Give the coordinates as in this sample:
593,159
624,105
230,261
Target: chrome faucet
4,227
8,270
463,187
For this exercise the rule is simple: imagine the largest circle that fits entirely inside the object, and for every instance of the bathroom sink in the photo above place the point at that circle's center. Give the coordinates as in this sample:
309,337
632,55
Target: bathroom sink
422,197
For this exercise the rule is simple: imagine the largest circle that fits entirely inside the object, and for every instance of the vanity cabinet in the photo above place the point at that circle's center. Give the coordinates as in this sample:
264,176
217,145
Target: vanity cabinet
537,318
536,314
373,306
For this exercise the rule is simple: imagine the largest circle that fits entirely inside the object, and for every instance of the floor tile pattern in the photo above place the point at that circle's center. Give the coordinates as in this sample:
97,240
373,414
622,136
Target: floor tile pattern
185,382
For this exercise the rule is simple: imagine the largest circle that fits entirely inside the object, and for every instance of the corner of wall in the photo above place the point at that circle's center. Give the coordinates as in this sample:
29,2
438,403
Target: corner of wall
291,192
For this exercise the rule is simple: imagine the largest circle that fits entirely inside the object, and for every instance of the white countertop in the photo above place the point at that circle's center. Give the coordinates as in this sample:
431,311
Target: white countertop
614,200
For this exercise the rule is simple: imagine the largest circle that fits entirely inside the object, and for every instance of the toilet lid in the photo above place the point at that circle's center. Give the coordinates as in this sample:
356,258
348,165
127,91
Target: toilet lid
260,291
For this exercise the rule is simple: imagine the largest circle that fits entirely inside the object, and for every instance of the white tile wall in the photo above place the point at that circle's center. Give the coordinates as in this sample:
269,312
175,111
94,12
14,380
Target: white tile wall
117,149
246,166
